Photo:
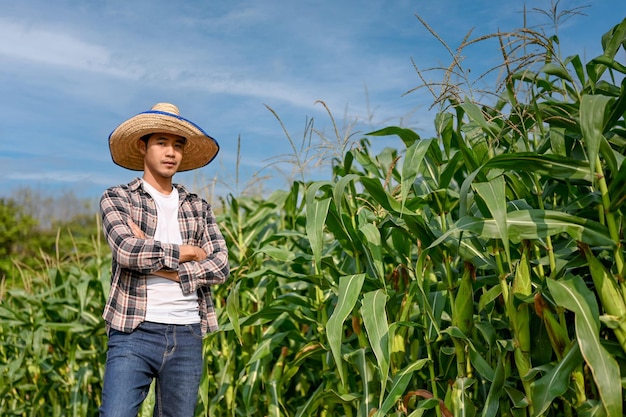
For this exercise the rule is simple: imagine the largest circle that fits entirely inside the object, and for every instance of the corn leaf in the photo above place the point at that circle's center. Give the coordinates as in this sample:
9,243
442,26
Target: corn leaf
411,167
617,189
492,193
534,224
574,296
408,136
349,291
316,212
376,190
340,189
360,359
232,309
556,70
611,43
461,397
555,382
398,386
475,114
593,109
374,249
547,165
266,346
375,321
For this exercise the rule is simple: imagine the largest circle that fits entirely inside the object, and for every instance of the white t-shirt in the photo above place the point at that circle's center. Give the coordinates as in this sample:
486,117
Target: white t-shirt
166,301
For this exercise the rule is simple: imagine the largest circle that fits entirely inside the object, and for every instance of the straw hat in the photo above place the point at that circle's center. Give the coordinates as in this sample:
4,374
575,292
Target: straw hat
200,148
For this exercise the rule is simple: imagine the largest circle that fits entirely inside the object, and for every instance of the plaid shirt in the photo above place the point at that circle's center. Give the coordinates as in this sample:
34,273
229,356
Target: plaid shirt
134,258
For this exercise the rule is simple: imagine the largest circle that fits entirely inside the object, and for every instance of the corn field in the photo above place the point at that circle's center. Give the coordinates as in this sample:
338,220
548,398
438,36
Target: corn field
476,273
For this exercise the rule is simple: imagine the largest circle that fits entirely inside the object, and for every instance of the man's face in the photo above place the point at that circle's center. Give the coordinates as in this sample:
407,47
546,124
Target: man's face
162,154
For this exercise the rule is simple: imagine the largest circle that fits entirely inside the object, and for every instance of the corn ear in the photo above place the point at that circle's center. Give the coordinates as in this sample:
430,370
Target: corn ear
609,292
522,287
463,316
398,351
464,301
520,319
559,339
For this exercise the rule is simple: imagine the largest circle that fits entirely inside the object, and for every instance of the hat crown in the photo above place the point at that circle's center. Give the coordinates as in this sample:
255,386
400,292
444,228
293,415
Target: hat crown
167,108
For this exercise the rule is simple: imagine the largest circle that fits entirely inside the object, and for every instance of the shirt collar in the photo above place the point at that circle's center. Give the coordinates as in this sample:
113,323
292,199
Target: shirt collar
136,184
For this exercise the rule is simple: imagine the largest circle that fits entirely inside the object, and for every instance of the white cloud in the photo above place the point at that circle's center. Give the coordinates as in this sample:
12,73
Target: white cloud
23,41
53,176
149,62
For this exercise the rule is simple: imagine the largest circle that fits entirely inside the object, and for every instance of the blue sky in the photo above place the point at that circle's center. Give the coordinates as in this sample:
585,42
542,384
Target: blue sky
71,71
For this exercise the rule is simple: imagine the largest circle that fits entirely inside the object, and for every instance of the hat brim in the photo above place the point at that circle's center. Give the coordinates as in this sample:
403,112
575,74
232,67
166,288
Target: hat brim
200,148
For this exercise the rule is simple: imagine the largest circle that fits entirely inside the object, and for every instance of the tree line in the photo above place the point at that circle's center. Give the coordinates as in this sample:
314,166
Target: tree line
34,224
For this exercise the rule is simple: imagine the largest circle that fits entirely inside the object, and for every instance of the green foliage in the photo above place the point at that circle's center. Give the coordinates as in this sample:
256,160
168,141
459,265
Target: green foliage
476,272
52,338
479,270
15,225
25,233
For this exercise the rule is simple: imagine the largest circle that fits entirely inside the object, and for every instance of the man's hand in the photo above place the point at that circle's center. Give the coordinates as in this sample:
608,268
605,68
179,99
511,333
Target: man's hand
171,275
139,234
191,253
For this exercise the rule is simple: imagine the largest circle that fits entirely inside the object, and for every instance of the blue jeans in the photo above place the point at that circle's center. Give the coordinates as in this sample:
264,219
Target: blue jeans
170,353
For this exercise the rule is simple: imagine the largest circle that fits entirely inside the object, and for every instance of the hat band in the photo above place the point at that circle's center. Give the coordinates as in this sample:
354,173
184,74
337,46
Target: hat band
164,113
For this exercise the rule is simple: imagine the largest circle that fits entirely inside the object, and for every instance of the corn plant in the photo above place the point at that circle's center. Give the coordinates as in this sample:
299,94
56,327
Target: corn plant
52,338
475,272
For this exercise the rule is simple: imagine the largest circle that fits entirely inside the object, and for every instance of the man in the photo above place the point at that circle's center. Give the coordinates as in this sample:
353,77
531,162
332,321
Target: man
167,251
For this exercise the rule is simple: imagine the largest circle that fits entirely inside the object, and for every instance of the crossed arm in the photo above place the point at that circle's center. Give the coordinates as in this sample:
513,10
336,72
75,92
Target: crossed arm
187,253
192,266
